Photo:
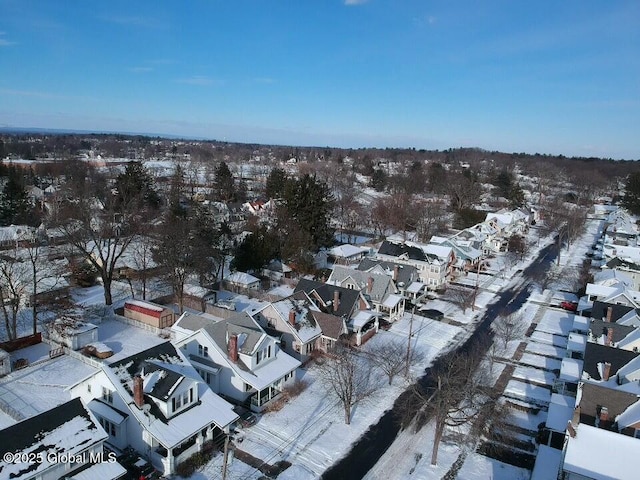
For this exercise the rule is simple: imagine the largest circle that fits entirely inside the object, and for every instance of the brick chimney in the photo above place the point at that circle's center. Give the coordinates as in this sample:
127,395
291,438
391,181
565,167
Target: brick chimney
292,317
232,348
138,391
571,429
395,273
336,300
606,372
609,314
369,284
604,414
609,339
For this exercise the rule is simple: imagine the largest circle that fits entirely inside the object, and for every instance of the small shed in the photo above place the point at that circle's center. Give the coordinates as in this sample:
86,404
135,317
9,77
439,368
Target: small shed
73,334
243,281
149,313
5,363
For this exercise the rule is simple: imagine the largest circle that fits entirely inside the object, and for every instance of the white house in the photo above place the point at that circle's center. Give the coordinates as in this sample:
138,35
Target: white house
155,402
235,357
292,320
62,442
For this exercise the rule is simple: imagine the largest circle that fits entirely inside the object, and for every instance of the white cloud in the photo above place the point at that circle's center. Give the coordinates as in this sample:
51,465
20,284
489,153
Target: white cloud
4,42
141,69
200,80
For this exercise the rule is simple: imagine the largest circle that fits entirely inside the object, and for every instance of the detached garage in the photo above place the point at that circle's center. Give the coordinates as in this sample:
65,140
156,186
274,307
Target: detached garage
149,313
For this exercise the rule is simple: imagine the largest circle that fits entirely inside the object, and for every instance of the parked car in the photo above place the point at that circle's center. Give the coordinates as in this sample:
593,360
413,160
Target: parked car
570,306
431,313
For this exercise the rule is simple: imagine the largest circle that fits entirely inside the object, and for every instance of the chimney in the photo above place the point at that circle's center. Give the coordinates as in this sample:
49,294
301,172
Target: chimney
609,339
609,314
571,429
606,373
576,415
336,300
292,317
138,391
232,348
395,273
604,414
369,284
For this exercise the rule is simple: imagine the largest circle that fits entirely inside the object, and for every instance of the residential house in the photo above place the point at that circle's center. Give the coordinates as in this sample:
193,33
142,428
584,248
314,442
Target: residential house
595,453
631,269
242,281
377,287
405,277
59,443
601,407
156,402
347,254
346,303
235,357
433,270
467,256
291,320
604,363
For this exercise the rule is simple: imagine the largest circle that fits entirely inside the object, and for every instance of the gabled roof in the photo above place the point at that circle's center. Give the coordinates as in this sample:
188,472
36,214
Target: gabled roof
67,429
617,262
332,326
381,284
600,328
596,355
322,295
306,327
406,273
399,249
600,309
593,397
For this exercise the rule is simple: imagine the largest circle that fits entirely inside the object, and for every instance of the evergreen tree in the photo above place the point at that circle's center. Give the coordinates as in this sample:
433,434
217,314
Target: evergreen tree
276,182
256,250
307,208
136,182
631,197
176,208
224,185
15,207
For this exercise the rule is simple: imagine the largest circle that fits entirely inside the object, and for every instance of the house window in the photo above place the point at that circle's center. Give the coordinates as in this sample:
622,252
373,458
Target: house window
258,357
269,351
203,351
89,387
108,426
107,395
247,387
435,269
181,400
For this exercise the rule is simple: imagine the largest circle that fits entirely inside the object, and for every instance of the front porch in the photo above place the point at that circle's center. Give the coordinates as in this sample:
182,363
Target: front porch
166,460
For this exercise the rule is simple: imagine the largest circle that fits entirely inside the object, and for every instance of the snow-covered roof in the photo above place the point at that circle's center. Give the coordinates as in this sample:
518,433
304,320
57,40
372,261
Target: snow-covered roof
346,251
148,305
610,277
580,324
306,328
547,464
392,301
241,278
415,287
103,470
68,429
107,411
631,416
361,318
600,454
571,369
560,412
172,431
576,342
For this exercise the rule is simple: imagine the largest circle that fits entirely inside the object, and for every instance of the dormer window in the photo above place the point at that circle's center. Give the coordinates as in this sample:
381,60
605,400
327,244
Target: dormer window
107,395
182,400
203,351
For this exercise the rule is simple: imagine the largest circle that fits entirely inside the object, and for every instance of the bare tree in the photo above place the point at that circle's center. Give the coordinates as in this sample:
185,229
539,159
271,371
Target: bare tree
457,396
14,279
99,225
461,297
392,357
508,326
142,258
348,377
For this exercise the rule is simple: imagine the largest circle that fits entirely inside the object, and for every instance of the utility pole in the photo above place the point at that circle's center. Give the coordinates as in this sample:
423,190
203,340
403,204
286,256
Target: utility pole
226,453
406,368
475,290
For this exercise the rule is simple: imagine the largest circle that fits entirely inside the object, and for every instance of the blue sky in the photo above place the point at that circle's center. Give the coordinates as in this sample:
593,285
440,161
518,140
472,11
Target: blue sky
558,77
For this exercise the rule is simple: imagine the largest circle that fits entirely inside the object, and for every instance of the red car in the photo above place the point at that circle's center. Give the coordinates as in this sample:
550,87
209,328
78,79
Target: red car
570,306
